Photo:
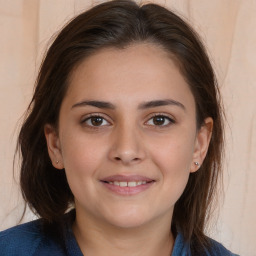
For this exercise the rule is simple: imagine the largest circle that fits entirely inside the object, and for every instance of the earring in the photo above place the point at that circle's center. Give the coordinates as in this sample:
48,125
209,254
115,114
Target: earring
57,161
197,164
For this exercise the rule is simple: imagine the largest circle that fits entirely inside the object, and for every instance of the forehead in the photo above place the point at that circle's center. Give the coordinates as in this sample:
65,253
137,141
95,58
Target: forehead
139,71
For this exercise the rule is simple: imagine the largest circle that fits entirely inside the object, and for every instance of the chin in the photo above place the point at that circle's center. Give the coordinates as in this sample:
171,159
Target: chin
129,223
128,218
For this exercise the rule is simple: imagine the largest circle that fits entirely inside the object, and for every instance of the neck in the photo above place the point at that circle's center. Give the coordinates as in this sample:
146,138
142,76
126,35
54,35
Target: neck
97,238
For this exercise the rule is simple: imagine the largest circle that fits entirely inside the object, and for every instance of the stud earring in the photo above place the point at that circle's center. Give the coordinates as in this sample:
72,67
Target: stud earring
57,161
197,164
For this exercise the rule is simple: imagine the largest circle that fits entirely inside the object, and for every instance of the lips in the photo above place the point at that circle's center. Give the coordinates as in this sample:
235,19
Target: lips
127,181
127,185
128,178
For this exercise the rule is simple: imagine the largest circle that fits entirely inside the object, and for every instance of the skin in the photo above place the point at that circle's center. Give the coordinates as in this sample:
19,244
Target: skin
128,140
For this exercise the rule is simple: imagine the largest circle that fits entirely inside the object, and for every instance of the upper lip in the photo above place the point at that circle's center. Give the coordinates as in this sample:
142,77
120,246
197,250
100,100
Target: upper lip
127,178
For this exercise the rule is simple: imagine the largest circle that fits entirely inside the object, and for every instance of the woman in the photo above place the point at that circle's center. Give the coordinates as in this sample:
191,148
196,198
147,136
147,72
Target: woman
122,144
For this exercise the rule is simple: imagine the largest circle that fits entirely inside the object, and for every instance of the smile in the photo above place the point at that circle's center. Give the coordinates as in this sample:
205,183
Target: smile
127,183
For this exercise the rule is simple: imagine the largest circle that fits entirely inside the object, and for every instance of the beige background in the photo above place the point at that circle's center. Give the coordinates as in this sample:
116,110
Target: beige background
228,29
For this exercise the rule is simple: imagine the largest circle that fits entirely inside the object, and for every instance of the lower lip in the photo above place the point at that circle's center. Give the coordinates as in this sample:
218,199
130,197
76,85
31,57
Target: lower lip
128,191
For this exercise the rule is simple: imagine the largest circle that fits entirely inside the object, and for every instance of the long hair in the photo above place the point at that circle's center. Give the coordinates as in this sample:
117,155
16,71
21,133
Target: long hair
119,24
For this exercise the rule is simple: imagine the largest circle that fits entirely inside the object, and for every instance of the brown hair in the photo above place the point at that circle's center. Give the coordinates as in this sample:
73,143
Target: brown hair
118,24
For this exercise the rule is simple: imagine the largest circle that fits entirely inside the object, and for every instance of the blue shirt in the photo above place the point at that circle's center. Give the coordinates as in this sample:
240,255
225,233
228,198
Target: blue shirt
29,240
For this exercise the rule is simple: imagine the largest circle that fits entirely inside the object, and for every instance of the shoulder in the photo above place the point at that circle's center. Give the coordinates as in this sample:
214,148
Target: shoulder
22,239
184,248
217,249
26,239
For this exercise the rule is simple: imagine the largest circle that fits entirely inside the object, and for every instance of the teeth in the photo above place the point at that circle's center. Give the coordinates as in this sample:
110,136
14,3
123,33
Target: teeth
123,184
132,184
127,184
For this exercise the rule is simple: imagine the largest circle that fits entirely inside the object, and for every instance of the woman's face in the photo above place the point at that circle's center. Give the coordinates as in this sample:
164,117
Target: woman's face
127,136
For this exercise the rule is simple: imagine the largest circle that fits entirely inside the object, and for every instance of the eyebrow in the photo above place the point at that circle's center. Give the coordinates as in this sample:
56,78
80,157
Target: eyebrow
159,103
94,103
144,105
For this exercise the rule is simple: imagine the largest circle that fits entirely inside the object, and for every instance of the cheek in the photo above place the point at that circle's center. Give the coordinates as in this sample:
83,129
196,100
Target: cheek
175,173
173,154
173,158
81,155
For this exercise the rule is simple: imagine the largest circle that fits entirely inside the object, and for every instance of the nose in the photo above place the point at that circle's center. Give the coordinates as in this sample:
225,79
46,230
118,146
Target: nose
127,146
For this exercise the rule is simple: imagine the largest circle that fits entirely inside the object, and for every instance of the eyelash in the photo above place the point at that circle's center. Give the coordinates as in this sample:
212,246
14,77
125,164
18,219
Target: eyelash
162,115
165,116
89,118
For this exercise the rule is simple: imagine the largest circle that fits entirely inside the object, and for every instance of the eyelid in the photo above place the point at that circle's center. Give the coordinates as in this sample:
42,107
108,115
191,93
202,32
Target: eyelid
107,119
87,117
165,115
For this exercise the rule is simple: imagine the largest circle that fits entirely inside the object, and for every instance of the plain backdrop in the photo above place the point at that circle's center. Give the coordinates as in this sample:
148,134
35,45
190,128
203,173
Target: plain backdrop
228,29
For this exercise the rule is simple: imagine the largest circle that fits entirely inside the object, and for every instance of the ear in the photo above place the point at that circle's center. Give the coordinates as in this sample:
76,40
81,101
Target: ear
202,141
53,145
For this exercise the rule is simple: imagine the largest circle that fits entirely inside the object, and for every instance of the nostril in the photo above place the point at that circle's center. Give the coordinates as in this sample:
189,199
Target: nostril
120,159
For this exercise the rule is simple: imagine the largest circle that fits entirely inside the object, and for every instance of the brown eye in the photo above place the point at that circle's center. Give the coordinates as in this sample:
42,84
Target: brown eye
96,121
160,120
